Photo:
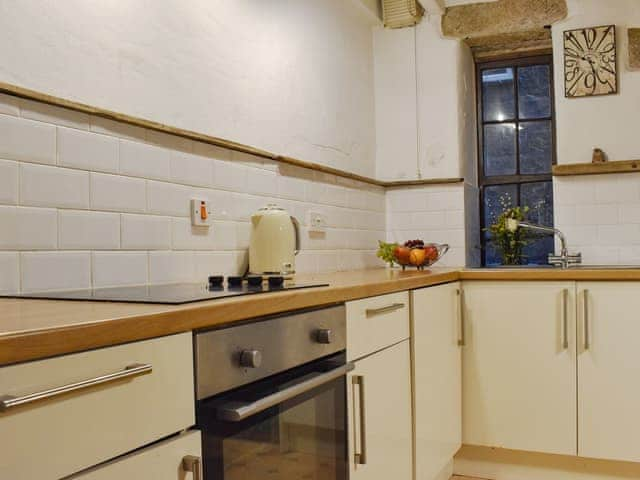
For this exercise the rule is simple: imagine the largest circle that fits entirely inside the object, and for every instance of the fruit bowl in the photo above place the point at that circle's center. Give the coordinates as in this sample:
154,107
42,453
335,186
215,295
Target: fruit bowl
420,255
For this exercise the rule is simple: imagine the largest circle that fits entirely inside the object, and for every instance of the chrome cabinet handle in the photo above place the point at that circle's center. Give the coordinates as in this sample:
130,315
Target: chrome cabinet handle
238,411
585,318
462,339
137,369
361,458
565,319
371,312
193,464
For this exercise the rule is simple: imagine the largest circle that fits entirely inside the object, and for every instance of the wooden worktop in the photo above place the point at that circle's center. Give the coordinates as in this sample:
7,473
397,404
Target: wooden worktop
32,329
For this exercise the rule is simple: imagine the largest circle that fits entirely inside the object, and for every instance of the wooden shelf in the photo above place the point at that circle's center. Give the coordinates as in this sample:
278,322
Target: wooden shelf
623,166
204,138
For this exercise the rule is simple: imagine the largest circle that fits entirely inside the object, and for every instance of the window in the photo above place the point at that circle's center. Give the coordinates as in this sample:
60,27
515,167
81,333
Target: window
516,138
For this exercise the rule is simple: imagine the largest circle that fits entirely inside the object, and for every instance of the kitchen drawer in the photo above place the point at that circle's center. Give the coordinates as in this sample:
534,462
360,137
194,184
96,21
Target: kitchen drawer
51,438
162,461
376,322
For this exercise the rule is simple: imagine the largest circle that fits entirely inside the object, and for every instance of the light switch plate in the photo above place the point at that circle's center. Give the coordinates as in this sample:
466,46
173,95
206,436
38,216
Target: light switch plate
317,222
200,212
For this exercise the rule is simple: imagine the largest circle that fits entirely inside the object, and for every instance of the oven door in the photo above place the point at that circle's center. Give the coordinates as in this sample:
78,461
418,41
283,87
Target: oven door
289,426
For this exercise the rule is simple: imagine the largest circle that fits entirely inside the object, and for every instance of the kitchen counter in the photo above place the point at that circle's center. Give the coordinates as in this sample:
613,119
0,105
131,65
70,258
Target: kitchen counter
32,329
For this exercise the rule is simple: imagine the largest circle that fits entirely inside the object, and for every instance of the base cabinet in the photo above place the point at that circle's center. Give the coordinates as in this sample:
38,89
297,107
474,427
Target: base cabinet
436,337
173,459
379,402
519,366
608,367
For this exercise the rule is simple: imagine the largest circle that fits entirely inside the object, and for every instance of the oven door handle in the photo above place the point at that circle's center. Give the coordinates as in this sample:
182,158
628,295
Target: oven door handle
238,411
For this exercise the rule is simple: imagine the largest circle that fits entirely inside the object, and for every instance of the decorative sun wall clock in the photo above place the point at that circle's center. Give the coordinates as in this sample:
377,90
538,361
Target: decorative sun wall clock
590,62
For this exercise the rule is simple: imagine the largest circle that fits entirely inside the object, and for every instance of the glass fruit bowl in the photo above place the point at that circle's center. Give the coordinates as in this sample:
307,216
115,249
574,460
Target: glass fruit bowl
419,257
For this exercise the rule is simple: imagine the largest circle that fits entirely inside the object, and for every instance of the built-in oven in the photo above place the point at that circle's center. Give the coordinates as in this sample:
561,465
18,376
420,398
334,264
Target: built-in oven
271,398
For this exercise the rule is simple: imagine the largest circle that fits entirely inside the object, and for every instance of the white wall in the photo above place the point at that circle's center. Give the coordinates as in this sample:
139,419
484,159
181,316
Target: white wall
599,214
87,202
292,77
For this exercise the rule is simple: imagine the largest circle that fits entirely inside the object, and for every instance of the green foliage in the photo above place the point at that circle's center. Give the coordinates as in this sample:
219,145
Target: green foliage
508,240
385,251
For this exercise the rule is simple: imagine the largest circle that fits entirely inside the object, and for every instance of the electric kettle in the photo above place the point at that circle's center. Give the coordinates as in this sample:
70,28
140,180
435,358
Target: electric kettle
274,242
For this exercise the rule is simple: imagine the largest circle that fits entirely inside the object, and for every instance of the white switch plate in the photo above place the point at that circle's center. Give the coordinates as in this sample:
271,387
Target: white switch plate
317,222
196,216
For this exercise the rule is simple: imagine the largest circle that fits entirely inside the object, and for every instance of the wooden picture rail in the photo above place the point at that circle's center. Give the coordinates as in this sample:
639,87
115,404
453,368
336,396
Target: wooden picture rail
624,166
211,140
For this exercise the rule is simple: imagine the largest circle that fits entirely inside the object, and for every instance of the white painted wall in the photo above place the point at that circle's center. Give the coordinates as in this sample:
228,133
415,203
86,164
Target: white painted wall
608,122
293,77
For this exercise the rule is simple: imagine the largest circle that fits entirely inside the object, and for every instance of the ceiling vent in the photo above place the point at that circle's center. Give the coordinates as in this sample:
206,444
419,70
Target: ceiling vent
401,13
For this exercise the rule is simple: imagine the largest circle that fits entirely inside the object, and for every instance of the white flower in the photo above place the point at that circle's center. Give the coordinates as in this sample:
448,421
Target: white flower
512,224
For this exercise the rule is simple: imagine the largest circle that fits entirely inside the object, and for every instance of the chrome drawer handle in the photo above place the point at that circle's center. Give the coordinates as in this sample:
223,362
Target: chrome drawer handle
361,458
565,319
370,312
193,464
8,401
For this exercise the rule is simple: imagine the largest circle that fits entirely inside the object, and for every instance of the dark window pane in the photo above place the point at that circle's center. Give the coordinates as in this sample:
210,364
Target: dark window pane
535,147
538,196
498,95
497,199
500,149
536,253
534,92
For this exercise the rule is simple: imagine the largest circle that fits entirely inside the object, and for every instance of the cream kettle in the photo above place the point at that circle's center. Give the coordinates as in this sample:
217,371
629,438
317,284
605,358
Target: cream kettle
274,241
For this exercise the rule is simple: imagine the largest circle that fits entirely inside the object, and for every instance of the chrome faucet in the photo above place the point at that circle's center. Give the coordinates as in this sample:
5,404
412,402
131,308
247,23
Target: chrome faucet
565,259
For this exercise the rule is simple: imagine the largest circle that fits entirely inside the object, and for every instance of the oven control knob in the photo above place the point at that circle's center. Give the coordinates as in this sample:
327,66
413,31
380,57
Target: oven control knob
251,358
324,335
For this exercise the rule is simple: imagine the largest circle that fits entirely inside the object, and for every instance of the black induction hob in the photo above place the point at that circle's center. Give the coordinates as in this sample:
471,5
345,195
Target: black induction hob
172,294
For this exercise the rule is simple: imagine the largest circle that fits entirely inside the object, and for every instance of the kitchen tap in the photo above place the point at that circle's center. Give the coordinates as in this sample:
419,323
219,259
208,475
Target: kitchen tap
565,259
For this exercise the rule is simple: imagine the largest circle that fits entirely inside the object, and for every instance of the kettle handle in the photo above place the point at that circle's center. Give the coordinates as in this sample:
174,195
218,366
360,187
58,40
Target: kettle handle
296,227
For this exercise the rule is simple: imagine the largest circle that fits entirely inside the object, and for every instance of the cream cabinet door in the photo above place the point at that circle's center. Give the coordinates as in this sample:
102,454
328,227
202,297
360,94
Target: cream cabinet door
437,377
162,461
608,370
519,366
379,403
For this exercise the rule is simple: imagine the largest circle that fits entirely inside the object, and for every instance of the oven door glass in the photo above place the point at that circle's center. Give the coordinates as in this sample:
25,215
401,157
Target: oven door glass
303,437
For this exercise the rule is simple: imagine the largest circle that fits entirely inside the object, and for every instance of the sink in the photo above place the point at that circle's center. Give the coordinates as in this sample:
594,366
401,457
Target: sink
572,267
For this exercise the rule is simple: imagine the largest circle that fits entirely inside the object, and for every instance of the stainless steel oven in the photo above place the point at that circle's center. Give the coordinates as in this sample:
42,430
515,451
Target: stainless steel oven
272,398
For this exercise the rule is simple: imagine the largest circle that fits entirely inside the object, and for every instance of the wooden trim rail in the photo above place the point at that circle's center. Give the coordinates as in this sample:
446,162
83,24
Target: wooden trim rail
28,94
621,166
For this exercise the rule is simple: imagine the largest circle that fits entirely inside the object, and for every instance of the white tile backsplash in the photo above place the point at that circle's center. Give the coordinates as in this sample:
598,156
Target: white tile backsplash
8,182
55,270
9,272
117,193
47,186
84,230
25,228
26,140
145,232
112,269
87,151
111,207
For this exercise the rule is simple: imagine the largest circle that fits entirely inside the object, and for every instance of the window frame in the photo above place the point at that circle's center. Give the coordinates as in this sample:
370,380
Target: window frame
516,179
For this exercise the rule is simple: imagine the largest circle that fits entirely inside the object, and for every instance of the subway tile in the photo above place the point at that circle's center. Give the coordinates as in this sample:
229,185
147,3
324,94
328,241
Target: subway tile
110,127
211,151
112,269
619,235
117,193
446,201
26,140
596,214
630,213
215,263
9,105
170,199
429,219
53,187
185,236
189,169
83,230
51,114
229,176
225,235
8,182
87,150
262,182
9,272
55,270
618,190
142,160
172,142
291,187
171,267
145,232
25,228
